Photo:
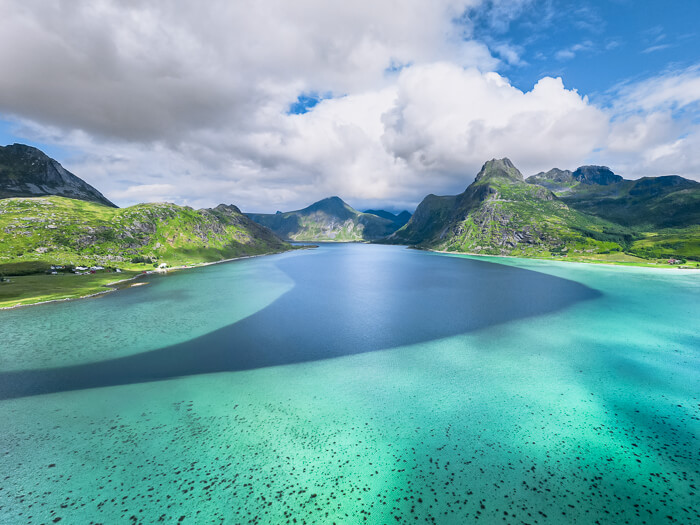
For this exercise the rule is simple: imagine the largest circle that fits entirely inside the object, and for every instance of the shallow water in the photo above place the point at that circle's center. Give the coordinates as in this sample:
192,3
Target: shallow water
360,382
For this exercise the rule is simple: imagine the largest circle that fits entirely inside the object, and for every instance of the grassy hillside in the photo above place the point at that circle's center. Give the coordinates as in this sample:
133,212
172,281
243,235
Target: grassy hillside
648,203
68,231
501,214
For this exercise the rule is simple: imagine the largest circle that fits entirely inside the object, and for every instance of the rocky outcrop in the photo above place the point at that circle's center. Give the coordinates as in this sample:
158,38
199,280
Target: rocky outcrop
601,175
28,172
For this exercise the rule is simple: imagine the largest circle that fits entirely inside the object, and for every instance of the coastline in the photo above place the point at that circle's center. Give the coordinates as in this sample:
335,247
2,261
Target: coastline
120,284
648,266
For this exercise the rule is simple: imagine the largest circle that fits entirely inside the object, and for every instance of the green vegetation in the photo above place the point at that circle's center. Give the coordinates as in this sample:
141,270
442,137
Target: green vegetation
24,268
330,219
501,214
31,289
57,230
52,222
650,203
39,232
681,244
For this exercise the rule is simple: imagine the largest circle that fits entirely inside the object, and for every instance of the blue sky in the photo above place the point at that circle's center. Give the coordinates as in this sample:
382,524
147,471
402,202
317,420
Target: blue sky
275,104
595,45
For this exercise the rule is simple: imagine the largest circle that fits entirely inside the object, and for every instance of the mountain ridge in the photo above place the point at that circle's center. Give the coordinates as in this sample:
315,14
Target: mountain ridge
26,171
60,218
559,213
330,219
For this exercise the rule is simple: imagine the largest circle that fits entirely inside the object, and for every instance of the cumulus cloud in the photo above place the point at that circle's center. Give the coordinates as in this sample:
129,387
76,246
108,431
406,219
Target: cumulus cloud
170,100
448,119
157,70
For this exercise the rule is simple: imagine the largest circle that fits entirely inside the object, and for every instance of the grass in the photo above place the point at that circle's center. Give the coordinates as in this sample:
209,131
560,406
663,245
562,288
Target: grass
24,268
677,243
32,289
58,230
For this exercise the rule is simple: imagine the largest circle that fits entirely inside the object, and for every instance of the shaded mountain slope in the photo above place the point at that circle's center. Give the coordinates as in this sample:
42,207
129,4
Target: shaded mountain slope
329,219
398,219
647,203
28,172
499,213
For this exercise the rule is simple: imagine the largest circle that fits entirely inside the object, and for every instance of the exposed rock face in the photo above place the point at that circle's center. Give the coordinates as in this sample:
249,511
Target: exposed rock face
559,212
499,213
498,168
27,172
601,175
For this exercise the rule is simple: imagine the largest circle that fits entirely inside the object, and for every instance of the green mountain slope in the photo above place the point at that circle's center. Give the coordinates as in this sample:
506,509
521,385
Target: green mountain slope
649,203
70,231
499,213
330,219
27,172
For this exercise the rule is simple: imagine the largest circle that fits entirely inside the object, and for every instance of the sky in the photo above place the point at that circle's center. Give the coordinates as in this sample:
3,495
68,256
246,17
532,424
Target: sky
272,105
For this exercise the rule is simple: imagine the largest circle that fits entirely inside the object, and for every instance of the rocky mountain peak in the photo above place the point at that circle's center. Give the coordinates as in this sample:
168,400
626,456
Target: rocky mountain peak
26,171
601,175
332,206
499,168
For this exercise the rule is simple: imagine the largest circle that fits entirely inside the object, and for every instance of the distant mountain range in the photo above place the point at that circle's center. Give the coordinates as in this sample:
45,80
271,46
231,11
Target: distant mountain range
587,212
28,172
400,219
331,219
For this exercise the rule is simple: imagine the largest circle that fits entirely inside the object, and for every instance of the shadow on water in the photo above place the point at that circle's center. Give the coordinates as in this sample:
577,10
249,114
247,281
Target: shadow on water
346,300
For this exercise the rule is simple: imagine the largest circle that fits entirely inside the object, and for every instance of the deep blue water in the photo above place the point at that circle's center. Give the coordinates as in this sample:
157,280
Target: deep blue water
345,299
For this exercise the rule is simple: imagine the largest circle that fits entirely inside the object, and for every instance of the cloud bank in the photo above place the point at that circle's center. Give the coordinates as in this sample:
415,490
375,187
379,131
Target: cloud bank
176,101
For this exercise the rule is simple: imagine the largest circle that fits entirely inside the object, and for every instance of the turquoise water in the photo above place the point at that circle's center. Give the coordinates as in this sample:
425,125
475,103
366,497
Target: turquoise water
359,383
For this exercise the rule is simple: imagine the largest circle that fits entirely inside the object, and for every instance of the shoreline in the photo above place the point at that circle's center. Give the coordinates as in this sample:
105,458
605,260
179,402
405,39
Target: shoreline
649,266
114,286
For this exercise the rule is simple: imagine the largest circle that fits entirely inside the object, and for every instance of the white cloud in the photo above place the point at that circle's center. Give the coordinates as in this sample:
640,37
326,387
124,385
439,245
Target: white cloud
654,129
571,52
175,101
672,90
449,119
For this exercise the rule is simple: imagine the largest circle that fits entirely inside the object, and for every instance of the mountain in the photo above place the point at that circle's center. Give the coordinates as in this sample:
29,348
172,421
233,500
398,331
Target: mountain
564,180
600,175
329,219
590,213
555,180
649,203
49,214
70,231
500,213
399,220
28,172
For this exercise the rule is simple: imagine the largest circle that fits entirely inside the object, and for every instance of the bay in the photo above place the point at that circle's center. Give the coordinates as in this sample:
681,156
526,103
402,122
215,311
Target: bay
358,381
